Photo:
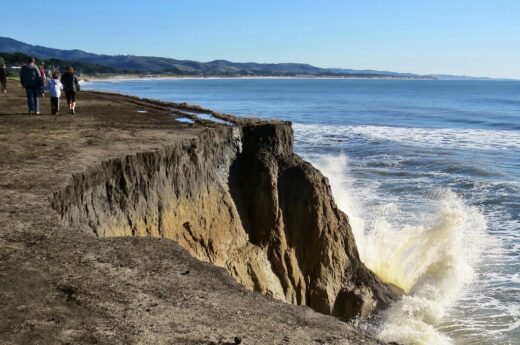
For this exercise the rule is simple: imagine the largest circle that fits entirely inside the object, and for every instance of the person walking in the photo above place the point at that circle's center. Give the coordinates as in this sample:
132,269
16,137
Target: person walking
55,87
3,77
70,86
31,80
44,79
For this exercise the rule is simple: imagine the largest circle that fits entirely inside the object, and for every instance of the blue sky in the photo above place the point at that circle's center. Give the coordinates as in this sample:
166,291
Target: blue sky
472,37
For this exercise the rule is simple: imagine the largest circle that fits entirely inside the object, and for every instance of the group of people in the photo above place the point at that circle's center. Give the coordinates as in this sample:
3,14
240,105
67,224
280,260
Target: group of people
33,80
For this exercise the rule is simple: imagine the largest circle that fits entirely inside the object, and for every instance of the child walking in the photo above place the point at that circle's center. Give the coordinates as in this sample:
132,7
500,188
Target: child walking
55,87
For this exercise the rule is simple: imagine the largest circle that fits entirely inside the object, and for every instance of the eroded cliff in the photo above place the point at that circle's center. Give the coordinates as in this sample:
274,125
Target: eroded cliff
239,198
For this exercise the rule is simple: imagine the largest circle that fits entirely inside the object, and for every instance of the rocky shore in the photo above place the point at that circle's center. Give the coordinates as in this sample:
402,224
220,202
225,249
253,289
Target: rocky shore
123,225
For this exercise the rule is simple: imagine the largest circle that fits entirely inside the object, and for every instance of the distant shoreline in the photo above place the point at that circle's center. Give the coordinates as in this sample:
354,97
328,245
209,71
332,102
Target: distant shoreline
131,77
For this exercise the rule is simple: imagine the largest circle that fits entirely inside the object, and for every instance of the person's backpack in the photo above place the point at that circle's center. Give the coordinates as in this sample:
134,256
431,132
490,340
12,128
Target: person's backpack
31,77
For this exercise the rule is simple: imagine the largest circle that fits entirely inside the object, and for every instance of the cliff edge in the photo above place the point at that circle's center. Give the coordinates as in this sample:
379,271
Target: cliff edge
91,204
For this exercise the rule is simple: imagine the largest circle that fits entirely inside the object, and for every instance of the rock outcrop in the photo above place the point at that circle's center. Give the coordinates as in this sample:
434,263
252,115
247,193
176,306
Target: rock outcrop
239,198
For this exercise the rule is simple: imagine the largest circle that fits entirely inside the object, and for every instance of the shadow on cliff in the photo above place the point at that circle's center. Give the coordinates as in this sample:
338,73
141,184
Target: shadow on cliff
286,208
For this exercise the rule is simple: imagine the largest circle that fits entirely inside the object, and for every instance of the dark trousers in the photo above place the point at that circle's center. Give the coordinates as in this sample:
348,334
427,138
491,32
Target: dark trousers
33,99
55,105
71,96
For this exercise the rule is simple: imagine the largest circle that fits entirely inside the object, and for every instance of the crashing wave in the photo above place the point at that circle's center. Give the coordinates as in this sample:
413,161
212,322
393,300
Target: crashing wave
433,261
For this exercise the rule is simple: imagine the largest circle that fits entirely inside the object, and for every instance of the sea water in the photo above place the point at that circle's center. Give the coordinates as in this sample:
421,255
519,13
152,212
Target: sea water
429,174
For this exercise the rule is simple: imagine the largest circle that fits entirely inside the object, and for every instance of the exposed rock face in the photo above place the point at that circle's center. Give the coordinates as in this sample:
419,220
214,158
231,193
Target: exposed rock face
241,199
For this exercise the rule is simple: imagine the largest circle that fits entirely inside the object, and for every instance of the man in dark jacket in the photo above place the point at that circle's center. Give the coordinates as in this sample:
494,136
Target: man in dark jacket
31,80
3,77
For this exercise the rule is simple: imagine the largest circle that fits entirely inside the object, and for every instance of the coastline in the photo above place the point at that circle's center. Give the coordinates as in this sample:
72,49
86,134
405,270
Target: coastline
328,137
132,77
129,77
92,163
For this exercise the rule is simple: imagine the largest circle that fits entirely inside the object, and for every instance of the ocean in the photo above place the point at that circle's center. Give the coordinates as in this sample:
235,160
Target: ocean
429,174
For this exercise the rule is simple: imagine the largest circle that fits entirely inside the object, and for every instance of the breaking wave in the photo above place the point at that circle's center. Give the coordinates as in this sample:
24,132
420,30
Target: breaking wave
433,262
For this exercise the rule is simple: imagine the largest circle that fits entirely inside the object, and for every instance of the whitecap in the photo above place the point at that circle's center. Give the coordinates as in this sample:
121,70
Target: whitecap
480,139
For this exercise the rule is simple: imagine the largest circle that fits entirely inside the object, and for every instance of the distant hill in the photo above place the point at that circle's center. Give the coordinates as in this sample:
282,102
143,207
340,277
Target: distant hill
374,72
18,59
161,65
462,77
150,64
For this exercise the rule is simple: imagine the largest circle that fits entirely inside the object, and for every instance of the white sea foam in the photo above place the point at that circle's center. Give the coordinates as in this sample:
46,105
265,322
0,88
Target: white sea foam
483,139
336,170
433,262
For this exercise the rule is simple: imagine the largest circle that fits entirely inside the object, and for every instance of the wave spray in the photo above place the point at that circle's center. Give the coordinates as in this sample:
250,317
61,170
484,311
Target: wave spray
433,262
